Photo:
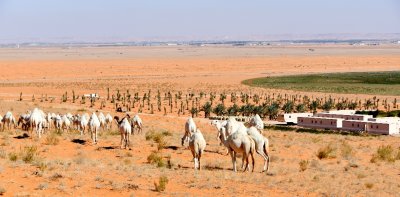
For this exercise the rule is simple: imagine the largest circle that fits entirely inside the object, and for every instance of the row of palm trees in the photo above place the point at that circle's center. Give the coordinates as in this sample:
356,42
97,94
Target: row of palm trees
241,103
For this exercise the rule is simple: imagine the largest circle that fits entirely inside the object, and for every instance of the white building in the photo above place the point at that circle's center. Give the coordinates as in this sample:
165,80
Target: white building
292,117
320,122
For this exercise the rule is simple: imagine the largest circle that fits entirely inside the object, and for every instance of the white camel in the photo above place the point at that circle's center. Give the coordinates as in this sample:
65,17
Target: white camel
197,145
83,122
190,128
102,120
239,142
58,123
94,126
257,122
66,123
261,143
36,121
109,120
125,129
8,120
261,146
137,123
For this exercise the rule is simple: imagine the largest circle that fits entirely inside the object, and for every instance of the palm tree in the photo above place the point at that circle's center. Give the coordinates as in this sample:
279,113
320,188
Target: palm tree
220,109
314,106
301,108
207,108
273,110
233,110
328,105
288,107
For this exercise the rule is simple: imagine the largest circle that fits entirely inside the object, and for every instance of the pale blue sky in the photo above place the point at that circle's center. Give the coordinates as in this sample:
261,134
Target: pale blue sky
200,19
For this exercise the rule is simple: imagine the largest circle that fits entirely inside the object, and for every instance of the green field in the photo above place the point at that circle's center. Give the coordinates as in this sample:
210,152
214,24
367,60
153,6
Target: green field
372,83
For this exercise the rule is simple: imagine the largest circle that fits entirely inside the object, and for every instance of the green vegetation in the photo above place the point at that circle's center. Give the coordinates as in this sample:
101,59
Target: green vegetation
162,184
373,83
385,153
326,152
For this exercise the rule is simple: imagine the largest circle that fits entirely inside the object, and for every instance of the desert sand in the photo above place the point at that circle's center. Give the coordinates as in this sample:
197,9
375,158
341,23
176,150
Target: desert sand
75,167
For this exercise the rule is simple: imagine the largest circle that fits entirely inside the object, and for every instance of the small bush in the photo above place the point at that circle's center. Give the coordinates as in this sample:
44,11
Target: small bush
326,152
3,153
384,153
156,158
13,156
42,186
303,165
52,139
369,185
158,137
2,191
29,154
162,184
346,150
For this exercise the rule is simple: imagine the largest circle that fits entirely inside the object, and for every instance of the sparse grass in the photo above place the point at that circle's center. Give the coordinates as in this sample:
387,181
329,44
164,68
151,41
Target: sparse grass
29,154
303,165
42,186
156,158
158,137
2,191
385,153
55,176
369,185
346,150
13,156
3,153
280,128
162,184
326,152
52,139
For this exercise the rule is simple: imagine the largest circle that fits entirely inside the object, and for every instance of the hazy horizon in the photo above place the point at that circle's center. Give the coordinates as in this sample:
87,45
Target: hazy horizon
122,20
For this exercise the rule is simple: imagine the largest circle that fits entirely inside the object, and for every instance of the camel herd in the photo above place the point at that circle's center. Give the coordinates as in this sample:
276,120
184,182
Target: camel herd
234,135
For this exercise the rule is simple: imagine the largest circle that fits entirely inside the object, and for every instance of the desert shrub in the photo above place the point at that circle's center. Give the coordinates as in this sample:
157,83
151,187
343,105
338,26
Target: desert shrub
156,158
326,152
43,186
369,185
2,191
280,128
158,137
162,184
52,139
29,154
303,165
385,153
346,150
3,153
13,156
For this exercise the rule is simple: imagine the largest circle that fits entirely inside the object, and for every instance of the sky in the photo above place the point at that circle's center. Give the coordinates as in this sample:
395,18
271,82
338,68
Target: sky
89,20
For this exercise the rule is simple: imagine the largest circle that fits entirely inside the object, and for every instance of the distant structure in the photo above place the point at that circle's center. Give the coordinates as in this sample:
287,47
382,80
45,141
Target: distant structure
345,120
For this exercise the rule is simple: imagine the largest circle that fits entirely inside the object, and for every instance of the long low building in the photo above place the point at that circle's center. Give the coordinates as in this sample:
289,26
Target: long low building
291,118
345,116
320,122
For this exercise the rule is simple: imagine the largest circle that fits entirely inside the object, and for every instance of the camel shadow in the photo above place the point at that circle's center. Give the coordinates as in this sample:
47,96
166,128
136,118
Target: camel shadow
172,147
79,141
107,147
23,136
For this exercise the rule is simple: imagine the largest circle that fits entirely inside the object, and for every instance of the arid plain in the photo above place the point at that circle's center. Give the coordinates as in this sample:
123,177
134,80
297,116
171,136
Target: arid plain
73,166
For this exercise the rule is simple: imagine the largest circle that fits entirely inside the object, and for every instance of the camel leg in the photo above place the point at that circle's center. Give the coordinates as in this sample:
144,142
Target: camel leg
122,140
127,140
253,162
246,156
199,157
267,154
233,157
